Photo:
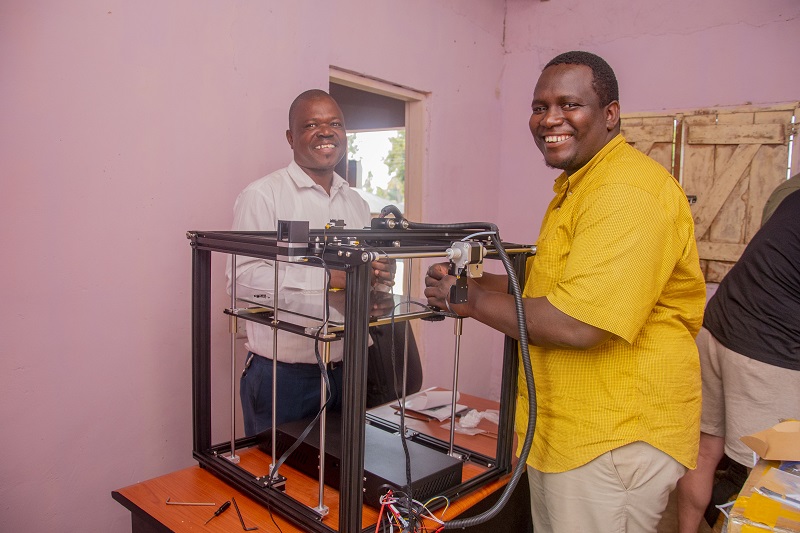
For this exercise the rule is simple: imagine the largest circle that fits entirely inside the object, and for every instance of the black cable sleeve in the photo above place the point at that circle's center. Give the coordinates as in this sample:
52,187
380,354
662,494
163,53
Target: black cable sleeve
526,364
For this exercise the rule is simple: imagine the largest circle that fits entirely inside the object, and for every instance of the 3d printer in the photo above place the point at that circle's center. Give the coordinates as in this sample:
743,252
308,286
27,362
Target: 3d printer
464,245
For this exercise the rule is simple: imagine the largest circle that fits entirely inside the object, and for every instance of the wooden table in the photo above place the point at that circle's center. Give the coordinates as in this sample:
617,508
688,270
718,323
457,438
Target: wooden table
150,512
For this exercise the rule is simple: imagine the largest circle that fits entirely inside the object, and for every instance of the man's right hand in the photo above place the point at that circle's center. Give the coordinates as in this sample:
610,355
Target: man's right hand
437,287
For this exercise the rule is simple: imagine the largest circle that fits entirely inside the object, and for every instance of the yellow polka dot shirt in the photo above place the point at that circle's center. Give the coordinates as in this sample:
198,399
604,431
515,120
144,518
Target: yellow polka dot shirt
617,250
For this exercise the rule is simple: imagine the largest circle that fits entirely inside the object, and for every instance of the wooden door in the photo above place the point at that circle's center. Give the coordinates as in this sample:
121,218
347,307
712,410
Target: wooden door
730,160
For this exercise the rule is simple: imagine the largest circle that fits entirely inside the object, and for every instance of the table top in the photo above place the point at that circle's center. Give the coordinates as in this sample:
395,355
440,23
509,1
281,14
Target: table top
196,485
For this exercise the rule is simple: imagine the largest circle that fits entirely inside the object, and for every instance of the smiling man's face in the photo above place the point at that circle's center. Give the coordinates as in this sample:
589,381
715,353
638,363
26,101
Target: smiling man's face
568,123
318,137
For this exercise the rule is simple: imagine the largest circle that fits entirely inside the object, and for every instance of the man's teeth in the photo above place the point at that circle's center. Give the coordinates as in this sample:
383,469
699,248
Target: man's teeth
323,146
556,138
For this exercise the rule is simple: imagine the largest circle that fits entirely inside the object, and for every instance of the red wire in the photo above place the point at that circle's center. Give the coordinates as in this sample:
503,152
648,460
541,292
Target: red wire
380,517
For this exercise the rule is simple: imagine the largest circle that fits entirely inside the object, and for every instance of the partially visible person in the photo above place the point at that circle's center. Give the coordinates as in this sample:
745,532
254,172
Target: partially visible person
308,189
781,191
613,299
749,353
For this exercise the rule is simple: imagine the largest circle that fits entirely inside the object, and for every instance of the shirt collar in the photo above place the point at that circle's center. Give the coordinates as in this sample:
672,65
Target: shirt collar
563,181
301,179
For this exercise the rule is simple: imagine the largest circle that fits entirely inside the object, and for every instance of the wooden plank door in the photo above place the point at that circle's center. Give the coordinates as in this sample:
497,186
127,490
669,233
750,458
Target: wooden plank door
731,161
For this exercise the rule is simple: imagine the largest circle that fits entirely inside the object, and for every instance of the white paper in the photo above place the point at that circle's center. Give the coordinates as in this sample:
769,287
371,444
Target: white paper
440,413
431,399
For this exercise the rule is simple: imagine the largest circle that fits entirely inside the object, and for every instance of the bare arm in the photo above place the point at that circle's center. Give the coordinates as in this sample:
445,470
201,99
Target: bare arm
546,325
493,282
382,273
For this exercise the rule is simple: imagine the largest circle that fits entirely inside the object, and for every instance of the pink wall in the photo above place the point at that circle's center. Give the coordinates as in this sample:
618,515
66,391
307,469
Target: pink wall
126,124
454,51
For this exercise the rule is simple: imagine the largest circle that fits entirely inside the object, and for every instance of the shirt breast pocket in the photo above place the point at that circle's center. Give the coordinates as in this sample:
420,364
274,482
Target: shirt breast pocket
549,262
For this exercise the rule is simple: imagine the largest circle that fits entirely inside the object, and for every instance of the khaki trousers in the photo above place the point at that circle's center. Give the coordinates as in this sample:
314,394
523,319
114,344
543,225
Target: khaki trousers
743,396
624,490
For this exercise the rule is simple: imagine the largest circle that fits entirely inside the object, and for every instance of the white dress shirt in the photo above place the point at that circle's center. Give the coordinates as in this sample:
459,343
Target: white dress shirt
289,194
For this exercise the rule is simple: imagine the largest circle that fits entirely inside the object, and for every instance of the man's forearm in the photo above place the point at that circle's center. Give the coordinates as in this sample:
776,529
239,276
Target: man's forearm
338,279
546,325
493,282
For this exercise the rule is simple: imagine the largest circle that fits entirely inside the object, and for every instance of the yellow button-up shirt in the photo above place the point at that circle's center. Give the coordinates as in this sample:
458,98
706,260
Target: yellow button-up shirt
617,250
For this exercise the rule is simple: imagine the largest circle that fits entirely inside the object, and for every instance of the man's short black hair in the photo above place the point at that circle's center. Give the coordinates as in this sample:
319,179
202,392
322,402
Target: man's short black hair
311,94
604,81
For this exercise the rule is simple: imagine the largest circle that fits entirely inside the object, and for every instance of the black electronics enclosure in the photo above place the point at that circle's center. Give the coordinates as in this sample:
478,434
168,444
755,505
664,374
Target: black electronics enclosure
432,472
350,251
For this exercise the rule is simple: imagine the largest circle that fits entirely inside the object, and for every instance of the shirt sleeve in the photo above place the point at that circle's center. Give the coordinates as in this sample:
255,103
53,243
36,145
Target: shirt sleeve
620,250
253,211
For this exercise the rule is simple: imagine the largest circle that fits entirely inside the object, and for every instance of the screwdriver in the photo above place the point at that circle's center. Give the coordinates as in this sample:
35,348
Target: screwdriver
219,511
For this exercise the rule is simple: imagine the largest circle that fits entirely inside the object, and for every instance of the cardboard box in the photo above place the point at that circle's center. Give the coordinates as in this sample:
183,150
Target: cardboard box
781,442
756,513
759,506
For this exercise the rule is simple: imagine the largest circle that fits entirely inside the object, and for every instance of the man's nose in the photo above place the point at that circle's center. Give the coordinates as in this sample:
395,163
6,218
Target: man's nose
325,131
552,117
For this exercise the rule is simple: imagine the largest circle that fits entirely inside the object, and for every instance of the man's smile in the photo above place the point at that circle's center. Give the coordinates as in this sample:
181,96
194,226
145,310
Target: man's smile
556,138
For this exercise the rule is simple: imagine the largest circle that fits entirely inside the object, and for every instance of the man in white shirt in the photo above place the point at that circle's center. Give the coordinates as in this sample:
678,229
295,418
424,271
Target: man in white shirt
308,189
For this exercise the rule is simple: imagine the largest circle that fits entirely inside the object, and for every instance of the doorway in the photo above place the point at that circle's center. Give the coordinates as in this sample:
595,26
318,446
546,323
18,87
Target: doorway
385,144
376,156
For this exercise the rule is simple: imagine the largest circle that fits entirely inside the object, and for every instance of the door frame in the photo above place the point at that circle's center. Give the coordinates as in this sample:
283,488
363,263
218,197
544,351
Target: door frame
415,130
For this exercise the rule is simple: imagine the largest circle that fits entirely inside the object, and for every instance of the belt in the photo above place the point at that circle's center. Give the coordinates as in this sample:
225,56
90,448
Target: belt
251,355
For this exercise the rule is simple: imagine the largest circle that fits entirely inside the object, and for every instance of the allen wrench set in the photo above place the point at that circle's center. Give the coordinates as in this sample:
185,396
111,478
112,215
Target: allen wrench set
170,502
219,511
241,520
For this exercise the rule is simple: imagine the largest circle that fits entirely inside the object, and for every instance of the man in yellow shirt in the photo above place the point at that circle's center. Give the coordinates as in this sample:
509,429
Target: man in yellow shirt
613,300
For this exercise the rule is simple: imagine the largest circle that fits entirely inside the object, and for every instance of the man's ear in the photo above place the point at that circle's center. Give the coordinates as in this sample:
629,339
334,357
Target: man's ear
290,138
612,115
